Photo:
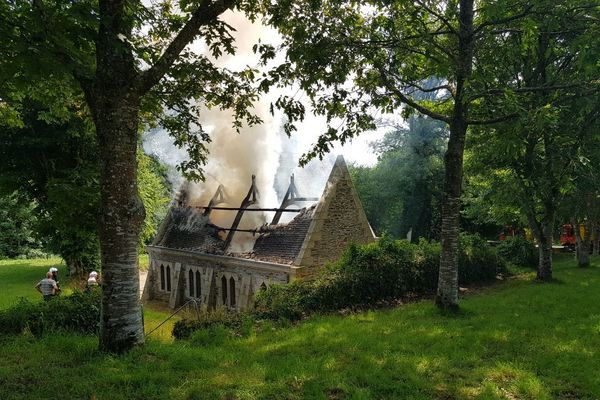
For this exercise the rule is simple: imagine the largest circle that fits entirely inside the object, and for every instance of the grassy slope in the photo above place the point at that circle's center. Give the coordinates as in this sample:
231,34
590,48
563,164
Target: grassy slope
18,278
520,340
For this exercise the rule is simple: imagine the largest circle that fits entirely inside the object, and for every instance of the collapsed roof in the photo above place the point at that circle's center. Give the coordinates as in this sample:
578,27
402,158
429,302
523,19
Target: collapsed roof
329,224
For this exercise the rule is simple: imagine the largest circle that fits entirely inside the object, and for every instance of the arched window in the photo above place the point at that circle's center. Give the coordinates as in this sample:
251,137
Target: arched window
168,278
198,285
162,277
263,287
224,289
191,282
232,291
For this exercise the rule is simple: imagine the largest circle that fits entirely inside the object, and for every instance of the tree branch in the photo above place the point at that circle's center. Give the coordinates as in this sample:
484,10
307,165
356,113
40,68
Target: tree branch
500,21
206,13
410,102
438,15
492,120
527,89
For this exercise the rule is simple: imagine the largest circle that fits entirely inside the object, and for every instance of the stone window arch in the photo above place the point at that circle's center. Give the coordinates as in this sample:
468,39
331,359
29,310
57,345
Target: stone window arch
198,285
191,282
162,277
263,287
224,289
168,278
232,291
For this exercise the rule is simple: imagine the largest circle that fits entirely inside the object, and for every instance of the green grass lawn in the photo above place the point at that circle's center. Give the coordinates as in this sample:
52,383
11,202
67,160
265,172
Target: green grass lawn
18,278
517,340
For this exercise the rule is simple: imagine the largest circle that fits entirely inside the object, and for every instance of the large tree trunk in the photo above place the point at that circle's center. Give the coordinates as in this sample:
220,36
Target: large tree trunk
122,216
115,104
447,292
542,232
545,252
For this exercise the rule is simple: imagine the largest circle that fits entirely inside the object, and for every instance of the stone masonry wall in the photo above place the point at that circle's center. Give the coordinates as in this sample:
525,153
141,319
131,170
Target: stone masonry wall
338,221
247,280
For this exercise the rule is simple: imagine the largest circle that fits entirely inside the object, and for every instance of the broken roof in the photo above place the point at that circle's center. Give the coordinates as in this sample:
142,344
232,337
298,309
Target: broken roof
282,243
318,234
186,228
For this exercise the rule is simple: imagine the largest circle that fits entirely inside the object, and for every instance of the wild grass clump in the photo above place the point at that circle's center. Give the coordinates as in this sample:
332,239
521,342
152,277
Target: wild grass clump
76,313
214,323
369,274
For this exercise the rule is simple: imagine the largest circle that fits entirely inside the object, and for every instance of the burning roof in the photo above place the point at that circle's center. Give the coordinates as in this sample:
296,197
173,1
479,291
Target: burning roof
186,228
318,234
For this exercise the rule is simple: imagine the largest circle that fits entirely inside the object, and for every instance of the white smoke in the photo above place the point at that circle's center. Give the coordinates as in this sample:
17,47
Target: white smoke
263,150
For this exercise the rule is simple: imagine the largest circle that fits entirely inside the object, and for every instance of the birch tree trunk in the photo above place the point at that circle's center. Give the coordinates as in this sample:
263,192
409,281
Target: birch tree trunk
447,292
542,232
115,105
123,214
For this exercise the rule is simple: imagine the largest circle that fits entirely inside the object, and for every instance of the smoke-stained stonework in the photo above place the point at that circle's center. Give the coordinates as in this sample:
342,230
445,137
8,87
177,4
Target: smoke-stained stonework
189,258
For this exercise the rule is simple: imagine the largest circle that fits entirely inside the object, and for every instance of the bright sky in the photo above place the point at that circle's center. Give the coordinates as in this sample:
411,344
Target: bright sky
357,151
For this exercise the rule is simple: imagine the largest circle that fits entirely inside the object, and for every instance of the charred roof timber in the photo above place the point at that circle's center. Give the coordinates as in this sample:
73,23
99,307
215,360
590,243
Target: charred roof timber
251,198
218,198
291,197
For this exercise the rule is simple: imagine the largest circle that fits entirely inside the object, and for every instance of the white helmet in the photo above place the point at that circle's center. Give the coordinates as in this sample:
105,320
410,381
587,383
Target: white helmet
53,269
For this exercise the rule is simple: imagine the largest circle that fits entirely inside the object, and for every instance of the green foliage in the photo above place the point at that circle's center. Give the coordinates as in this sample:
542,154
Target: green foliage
214,323
288,302
382,271
518,251
17,224
402,191
76,313
54,169
348,60
154,191
54,165
478,262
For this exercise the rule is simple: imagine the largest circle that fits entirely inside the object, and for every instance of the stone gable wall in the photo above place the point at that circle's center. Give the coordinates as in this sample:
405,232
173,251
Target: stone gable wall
338,221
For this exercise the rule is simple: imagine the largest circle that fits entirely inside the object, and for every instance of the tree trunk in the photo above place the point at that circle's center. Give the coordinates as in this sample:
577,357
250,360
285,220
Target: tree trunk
115,105
447,292
545,251
542,231
583,245
121,324
595,231
74,266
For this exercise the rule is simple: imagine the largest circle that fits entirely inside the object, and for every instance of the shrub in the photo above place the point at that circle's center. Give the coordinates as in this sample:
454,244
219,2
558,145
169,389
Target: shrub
376,272
518,251
284,301
211,335
478,262
77,313
213,322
